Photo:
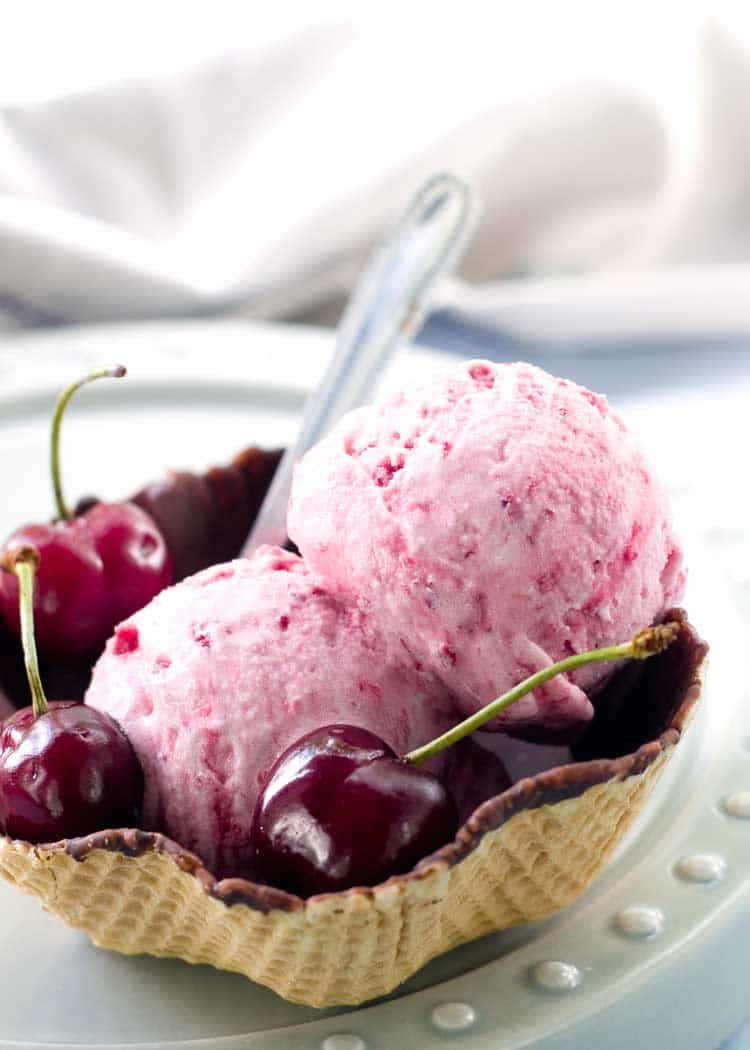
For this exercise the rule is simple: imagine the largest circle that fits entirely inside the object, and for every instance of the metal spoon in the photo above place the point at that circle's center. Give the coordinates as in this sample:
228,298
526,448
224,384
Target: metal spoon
385,309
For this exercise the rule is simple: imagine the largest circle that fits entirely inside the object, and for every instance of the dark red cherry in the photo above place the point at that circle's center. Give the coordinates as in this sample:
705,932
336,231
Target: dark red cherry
136,560
93,572
94,569
341,809
65,769
70,599
68,772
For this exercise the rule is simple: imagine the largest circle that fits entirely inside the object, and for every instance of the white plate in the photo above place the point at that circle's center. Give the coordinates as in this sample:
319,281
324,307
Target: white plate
199,392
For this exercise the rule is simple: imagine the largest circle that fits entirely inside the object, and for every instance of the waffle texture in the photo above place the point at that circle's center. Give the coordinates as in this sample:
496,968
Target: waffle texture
345,948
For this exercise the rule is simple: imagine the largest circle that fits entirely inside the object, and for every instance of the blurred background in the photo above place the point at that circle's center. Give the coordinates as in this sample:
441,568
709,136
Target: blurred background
178,161
172,160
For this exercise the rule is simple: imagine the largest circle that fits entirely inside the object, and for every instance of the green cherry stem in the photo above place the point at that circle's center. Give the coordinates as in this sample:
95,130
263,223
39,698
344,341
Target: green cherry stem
648,642
114,372
24,561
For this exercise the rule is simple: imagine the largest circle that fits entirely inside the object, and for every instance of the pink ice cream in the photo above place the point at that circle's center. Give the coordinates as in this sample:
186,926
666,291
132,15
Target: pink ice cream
220,674
493,520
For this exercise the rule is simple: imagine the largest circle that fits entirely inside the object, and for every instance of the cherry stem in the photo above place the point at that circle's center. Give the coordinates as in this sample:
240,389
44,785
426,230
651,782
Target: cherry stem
114,372
648,642
24,562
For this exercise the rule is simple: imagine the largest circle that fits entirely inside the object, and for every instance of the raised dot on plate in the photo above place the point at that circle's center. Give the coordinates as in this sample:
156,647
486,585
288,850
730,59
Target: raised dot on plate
343,1042
640,922
737,804
701,867
556,976
452,1017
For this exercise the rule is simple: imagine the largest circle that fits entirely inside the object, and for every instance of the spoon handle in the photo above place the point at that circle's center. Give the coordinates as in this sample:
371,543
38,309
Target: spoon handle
386,308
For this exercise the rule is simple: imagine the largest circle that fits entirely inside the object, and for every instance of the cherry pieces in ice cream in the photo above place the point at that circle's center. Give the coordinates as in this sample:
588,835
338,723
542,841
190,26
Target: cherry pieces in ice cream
493,519
341,809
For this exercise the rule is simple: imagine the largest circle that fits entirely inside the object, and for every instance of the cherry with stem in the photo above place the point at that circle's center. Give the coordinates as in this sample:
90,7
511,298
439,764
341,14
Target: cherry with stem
65,769
95,569
341,809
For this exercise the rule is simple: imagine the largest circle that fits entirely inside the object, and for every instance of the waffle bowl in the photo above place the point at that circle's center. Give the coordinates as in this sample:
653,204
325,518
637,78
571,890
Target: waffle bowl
518,858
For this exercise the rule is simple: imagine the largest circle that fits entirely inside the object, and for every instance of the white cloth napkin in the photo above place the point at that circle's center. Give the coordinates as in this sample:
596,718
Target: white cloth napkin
611,155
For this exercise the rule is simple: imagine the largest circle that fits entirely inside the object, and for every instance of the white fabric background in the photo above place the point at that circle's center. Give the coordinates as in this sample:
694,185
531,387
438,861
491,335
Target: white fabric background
162,163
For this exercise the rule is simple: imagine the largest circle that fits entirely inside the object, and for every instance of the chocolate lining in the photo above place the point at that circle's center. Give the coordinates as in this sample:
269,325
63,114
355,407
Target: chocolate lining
206,518
670,682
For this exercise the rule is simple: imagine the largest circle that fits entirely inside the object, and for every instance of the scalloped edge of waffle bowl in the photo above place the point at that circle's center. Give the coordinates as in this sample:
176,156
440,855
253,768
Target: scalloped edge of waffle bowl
520,857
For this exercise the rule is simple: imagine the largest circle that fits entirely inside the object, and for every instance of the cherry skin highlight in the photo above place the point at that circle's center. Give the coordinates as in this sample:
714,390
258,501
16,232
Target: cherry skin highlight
65,773
340,809
94,571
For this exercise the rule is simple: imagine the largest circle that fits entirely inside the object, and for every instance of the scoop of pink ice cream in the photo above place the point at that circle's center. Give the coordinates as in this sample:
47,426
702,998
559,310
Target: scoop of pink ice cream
220,674
493,520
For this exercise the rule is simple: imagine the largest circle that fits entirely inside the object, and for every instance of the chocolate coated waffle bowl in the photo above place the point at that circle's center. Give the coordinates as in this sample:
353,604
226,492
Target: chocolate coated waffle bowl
519,857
